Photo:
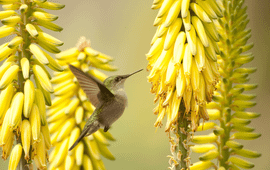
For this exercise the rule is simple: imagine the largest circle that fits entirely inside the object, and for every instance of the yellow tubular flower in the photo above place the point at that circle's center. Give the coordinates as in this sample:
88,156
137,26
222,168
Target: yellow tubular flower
24,81
181,56
70,109
230,100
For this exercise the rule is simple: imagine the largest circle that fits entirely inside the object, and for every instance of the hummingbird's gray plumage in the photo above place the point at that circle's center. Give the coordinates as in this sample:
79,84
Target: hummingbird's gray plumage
108,97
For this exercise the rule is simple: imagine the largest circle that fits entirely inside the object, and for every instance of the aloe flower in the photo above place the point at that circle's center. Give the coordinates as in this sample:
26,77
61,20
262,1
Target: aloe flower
24,81
183,68
232,98
71,108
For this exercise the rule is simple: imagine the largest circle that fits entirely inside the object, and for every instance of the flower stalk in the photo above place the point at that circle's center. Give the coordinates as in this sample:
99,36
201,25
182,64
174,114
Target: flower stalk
22,104
71,108
183,68
231,100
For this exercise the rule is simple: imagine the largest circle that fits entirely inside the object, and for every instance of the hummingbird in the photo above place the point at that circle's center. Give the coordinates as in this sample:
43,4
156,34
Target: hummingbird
109,98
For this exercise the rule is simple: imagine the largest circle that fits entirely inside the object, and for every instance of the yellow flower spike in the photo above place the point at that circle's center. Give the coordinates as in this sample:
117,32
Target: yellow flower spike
87,164
16,109
66,129
184,8
172,33
79,152
206,126
35,123
15,157
79,114
46,135
6,132
70,87
15,42
11,21
5,101
69,163
42,78
82,95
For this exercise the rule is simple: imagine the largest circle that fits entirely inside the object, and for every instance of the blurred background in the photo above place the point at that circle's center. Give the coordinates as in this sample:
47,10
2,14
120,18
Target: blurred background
123,29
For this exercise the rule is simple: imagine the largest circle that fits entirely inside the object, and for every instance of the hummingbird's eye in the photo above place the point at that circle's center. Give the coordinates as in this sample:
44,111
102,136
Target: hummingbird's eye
118,79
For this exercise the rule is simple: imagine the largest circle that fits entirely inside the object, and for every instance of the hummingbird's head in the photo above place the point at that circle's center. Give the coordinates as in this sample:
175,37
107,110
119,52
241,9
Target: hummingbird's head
116,82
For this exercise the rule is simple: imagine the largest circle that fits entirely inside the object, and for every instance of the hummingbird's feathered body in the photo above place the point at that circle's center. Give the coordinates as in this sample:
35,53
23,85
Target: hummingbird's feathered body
108,97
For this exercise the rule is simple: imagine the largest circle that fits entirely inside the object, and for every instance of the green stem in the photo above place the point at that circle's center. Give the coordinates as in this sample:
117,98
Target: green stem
179,146
22,52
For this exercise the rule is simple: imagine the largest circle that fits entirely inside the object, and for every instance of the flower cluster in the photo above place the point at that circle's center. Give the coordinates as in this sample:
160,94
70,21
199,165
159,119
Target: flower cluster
231,99
24,81
70,109
183,59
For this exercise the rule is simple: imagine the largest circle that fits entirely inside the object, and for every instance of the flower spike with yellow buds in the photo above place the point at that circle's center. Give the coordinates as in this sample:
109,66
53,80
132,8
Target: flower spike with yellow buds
183,66
24,81
70,108
230,100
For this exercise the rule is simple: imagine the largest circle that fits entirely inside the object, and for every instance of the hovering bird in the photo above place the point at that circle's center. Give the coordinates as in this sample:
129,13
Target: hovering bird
109,98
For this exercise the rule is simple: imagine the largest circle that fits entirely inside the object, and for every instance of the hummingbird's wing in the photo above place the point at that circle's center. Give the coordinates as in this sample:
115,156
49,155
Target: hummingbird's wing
91,86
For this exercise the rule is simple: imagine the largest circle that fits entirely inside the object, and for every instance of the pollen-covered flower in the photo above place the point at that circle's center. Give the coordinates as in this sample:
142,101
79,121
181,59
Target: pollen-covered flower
183,59
231,98
71,108
24,81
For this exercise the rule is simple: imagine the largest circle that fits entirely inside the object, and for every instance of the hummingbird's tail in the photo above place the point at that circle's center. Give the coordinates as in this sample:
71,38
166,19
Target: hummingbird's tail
78,140
88,130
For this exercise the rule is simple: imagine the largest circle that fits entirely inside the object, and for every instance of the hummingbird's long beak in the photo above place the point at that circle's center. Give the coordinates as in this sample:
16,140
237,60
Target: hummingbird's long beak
126,76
